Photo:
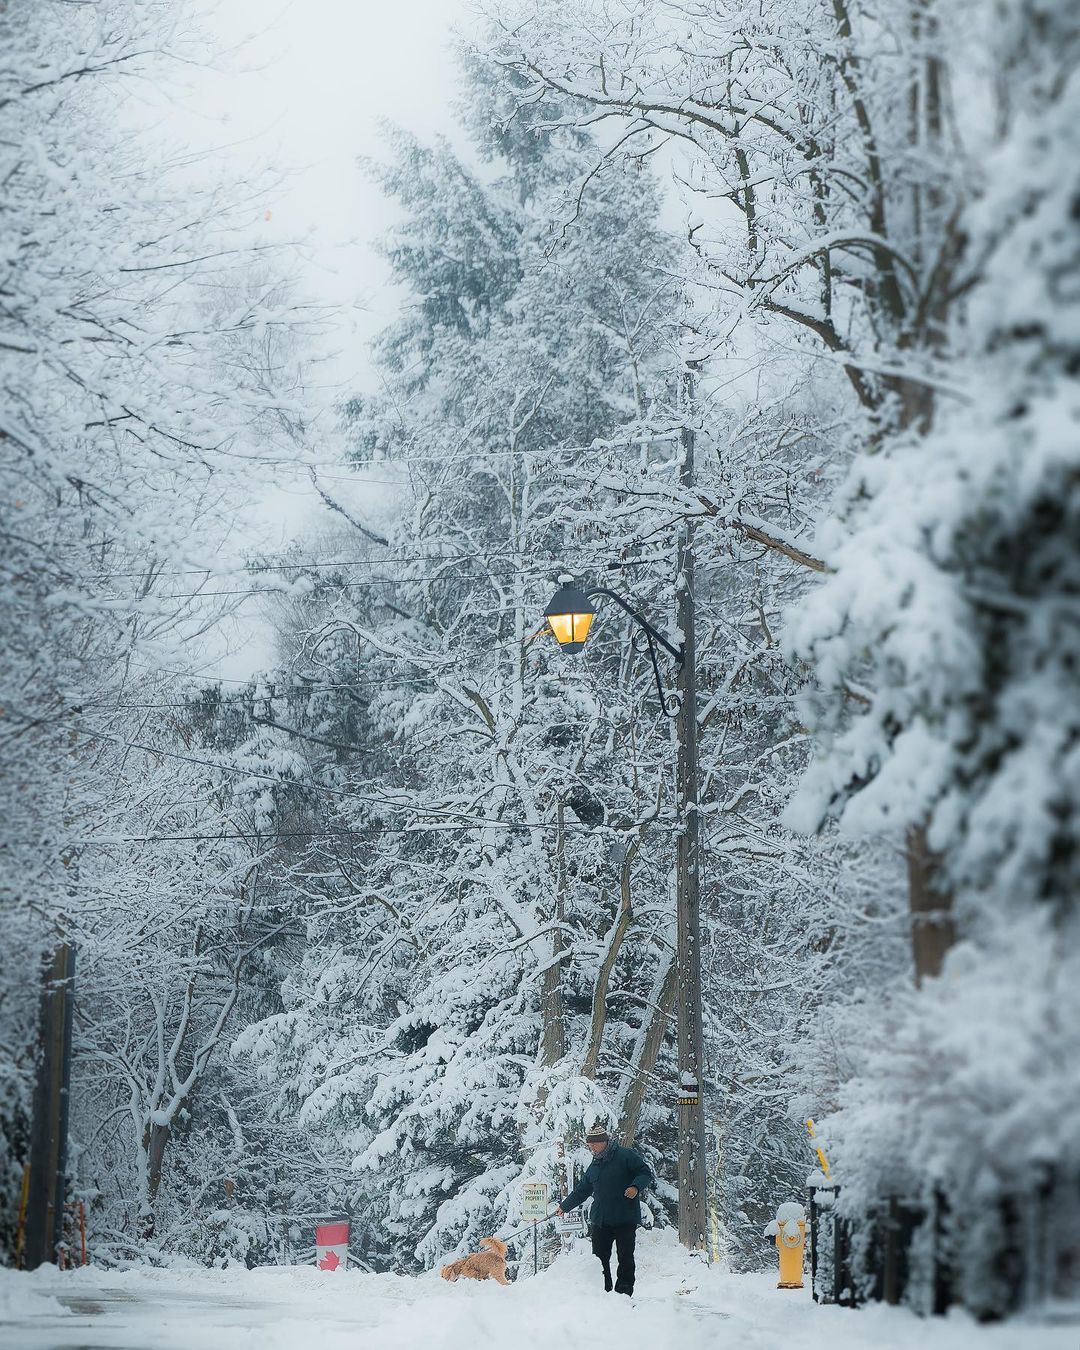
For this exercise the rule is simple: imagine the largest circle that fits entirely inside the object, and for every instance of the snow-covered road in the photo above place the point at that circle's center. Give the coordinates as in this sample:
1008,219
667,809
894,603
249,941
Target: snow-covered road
679,1305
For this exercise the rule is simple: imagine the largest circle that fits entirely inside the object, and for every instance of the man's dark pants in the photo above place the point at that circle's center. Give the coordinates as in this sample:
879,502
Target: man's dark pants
623,1235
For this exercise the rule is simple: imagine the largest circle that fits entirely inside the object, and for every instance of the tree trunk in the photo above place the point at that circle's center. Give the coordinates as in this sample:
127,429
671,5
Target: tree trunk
603,979
932,929
553,1041
929,901
648,1051
689,865
49,1122
155,1154
155,1140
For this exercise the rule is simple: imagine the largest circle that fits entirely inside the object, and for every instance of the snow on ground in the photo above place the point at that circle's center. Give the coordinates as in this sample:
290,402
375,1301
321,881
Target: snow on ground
680,1304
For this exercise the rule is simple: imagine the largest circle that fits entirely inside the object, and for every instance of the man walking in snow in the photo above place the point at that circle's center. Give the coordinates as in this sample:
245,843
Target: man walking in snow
614,1179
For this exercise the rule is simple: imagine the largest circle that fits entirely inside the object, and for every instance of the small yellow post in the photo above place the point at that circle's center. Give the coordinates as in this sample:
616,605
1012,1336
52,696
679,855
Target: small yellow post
820,1154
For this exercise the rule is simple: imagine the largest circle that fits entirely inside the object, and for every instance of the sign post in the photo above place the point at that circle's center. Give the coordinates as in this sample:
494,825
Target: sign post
569,1224
534,1207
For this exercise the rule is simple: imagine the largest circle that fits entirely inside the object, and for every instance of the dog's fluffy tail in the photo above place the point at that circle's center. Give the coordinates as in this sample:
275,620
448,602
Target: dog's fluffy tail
494,1245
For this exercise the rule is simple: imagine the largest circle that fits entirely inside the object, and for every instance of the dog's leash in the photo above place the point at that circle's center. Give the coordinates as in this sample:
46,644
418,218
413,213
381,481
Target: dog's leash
508,1237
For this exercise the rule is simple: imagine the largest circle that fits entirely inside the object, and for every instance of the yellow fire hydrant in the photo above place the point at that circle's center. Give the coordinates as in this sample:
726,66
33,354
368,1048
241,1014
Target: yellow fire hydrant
789,1230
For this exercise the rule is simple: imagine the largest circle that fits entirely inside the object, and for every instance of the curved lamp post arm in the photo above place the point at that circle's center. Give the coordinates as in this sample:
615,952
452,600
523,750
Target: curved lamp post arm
675,652
670,703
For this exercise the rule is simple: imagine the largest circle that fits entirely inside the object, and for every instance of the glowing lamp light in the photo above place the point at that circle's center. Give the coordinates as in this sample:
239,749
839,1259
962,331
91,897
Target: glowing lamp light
570,617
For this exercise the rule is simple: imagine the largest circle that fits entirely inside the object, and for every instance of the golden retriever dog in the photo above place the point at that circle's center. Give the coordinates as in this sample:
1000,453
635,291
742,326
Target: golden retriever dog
485,1265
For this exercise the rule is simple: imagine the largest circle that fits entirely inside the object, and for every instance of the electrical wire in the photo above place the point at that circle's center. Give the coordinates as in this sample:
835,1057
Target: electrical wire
238,701
463,820
286,592
308,686
643,438
270,838
319,564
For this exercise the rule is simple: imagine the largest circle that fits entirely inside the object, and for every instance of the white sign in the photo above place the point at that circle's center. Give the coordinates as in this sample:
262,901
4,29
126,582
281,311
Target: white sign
534,1200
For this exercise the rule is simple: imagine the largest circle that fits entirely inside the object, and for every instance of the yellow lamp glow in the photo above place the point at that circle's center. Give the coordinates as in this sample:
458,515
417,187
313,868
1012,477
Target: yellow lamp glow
570,617
570,627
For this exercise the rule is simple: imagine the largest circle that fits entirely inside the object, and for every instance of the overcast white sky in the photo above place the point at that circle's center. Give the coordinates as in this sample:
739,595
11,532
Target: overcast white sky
303,85
306,91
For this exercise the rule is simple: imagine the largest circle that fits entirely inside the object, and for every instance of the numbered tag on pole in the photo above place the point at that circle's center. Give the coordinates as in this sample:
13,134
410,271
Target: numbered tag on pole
689,1091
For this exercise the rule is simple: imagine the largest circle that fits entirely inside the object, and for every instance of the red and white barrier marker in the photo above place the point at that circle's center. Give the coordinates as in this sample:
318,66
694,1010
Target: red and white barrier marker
332,1246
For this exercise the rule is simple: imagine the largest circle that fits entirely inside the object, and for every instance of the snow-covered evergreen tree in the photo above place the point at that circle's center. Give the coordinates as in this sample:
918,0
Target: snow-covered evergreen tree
535,422
953,607
508,790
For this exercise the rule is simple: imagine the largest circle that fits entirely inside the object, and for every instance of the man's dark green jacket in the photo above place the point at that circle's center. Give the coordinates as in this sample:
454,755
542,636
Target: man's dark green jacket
605,1179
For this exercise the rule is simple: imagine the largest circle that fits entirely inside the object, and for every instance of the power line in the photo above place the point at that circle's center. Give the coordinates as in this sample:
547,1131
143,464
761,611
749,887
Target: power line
542,565
238,700
270,838
372,799
436,460
287,592
281,687
279,690
179,676
465,821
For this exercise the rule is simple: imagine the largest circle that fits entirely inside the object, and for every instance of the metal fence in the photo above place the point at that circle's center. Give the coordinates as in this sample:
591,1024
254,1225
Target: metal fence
994,1257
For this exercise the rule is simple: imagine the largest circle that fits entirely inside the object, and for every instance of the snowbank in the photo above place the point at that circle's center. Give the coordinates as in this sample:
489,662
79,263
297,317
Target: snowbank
680,1303
25,1295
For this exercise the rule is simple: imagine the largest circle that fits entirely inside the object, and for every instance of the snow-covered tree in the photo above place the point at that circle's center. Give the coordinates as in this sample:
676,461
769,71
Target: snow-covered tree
146,360
507,834
534,413
953,607
827,258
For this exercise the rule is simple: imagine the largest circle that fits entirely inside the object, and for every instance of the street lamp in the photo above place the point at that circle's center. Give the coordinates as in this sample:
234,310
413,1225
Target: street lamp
570,615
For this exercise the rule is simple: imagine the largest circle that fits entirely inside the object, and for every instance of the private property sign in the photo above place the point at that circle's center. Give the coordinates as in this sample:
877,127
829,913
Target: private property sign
534,1201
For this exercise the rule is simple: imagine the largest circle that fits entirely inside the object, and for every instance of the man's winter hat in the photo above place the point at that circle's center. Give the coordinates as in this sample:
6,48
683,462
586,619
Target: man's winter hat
597,1134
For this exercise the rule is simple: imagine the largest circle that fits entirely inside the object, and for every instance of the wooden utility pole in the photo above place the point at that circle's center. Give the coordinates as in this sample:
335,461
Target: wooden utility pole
692,1184
48,1138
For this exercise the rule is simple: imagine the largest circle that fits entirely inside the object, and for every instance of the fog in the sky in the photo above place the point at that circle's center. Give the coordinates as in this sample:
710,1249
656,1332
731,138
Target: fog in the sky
302,86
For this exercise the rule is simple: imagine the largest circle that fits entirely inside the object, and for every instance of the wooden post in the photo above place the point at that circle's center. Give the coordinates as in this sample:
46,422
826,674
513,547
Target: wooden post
48,1136
890,1262
692,1171
20,1228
